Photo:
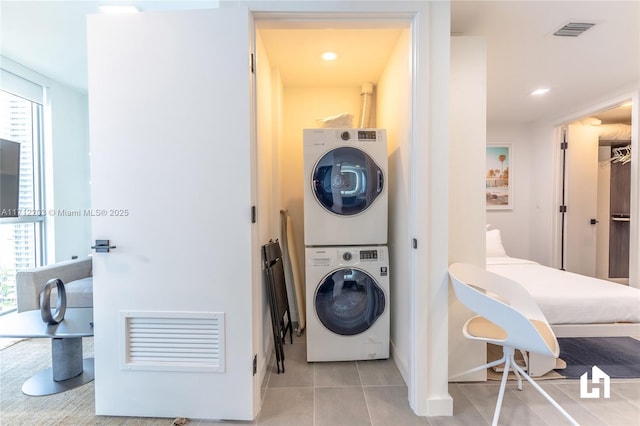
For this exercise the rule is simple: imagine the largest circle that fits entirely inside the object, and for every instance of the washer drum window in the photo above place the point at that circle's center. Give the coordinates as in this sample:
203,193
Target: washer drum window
349,301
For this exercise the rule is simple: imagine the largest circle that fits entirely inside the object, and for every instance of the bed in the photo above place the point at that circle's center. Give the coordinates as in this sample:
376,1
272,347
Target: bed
574,305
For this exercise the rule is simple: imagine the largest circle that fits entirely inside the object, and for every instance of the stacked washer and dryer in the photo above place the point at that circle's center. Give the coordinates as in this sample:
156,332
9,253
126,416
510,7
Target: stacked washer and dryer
345,234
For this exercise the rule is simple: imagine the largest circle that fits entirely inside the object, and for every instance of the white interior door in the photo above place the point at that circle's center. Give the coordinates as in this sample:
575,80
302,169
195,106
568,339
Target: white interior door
169,97
581,199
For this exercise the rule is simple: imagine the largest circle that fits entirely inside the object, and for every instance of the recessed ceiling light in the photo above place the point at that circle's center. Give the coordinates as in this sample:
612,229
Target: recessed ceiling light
119,9
329,56
539,92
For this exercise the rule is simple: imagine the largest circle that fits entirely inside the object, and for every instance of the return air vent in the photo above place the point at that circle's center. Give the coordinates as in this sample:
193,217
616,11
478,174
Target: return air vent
573,29
173,341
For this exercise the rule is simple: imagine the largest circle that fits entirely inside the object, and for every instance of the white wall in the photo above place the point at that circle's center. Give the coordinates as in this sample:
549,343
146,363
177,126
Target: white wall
634,251
68,158
267,184
466,186
544,196
604,210
513,223
393,108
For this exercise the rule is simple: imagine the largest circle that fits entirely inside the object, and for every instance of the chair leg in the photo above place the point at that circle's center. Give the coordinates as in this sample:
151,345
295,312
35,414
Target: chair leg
546,395
518,377
508,356
481,367
526,367
525,357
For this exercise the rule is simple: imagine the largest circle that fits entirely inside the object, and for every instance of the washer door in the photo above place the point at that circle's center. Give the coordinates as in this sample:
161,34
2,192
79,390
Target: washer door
349,301
346,181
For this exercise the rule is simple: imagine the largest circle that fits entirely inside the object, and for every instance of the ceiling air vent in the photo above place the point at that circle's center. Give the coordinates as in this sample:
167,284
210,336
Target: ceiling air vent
573,29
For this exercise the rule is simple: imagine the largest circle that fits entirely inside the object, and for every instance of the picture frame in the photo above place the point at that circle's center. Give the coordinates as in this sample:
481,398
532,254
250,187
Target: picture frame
499,176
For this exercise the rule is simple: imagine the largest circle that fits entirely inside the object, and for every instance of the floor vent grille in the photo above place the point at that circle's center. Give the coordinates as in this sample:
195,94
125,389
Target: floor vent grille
573,29
174,341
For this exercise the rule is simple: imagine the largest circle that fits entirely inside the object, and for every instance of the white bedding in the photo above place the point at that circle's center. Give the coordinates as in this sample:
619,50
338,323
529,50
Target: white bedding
568,298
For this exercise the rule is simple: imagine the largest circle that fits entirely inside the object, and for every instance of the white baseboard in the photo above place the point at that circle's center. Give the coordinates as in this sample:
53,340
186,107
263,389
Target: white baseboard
401,363
440,407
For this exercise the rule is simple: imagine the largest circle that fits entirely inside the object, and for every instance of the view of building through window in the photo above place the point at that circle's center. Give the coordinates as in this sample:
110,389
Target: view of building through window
21,237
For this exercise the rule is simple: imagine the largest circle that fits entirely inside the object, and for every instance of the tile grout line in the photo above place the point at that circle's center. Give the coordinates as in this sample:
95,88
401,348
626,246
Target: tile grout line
314,395
579,403
475,406
366,402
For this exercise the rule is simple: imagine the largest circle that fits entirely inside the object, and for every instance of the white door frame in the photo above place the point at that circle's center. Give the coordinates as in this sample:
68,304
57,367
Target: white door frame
428,216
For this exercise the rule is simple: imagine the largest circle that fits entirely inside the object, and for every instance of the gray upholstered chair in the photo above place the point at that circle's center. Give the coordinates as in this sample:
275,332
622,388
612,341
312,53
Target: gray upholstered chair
75,274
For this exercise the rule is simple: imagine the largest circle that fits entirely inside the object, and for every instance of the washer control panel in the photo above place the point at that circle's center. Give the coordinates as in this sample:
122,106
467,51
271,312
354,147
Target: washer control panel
354,255
359,135
369,255
330,256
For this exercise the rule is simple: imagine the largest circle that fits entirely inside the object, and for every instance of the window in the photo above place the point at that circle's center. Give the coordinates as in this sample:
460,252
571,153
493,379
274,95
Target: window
21,238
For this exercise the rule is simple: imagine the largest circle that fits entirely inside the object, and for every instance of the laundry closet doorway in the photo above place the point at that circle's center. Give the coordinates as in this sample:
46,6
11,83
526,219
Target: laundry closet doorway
297,89
283,109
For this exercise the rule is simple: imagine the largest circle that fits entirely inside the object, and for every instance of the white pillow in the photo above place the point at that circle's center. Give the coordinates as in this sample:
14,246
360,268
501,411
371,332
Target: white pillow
494,244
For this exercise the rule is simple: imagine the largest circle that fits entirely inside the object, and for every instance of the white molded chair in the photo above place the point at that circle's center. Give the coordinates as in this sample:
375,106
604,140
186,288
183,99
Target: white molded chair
507,316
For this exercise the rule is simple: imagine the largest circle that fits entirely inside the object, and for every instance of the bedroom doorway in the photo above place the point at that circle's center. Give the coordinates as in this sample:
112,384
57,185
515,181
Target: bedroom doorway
597,194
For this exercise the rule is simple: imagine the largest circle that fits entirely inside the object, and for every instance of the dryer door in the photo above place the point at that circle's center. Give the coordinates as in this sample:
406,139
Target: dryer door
346,181
348,301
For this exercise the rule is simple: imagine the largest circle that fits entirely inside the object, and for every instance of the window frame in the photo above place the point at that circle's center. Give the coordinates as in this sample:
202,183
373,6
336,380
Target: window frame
38,165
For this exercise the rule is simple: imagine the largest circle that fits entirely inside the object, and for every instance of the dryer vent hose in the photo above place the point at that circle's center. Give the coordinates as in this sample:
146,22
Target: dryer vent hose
365,112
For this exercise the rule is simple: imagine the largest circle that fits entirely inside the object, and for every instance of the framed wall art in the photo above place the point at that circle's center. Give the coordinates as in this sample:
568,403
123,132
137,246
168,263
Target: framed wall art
499,177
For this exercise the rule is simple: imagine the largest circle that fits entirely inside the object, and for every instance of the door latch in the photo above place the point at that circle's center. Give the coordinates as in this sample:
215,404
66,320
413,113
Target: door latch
594,221
102,246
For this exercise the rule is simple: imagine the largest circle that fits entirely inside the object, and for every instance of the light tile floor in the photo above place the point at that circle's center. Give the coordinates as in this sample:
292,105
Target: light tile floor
331,394
374,393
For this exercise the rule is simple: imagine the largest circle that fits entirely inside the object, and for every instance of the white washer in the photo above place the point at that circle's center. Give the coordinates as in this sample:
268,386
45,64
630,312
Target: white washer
345,189
347,303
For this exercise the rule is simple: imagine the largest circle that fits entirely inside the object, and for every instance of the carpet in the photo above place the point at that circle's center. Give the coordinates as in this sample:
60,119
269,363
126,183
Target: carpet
619,357
21,361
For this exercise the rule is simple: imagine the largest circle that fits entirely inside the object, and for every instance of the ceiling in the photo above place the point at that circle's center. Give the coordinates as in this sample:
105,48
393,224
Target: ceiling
362,55
50,38
524,55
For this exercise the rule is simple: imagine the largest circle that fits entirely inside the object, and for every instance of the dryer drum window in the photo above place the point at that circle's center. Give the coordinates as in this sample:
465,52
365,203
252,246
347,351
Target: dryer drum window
346,181
349,301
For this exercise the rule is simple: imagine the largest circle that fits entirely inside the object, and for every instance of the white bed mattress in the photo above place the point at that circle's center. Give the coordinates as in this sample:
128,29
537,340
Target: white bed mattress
568,298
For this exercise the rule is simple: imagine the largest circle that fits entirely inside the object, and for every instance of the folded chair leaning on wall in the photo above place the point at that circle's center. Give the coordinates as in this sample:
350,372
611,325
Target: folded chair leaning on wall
506,316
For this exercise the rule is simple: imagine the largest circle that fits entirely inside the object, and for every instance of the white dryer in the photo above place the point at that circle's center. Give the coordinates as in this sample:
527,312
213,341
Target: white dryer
347,303
345,190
